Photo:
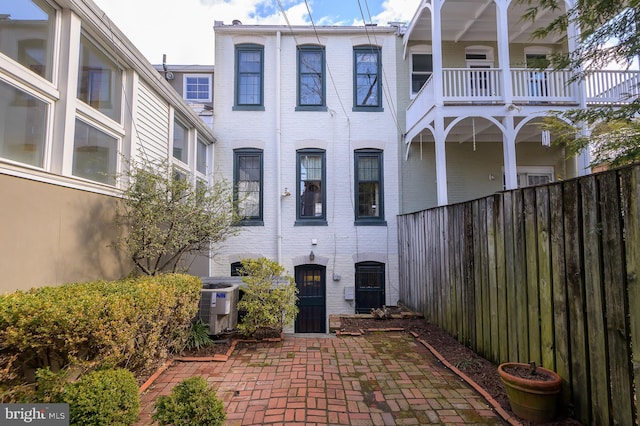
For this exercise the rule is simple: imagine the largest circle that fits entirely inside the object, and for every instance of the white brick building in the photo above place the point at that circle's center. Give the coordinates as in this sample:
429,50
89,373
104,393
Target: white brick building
312,141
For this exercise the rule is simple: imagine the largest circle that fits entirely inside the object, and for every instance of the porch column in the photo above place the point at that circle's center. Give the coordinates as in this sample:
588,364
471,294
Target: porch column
502,19
509,150
436,51
441,161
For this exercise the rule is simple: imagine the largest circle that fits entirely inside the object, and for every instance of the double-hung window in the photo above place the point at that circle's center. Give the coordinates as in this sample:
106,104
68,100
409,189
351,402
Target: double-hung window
201,157
248,184
249,77
311,195
311,79
421,69
369,187
367,90
197,88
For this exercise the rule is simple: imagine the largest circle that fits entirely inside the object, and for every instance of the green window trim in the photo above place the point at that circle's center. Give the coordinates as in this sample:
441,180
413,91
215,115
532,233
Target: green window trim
311,194
248,171
367,81
311,90
369,187
249,78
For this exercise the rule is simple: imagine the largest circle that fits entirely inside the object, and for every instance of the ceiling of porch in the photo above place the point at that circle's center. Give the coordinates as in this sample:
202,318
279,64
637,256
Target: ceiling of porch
479,130
475,20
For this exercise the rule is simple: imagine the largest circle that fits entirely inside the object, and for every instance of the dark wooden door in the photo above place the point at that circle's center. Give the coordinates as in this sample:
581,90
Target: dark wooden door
312,302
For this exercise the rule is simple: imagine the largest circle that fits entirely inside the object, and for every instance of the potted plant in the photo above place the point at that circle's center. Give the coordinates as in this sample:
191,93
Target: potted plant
532,390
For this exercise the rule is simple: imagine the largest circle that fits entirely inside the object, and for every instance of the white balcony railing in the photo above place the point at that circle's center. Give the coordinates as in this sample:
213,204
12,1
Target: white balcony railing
612,87
471,84
484,85
542,86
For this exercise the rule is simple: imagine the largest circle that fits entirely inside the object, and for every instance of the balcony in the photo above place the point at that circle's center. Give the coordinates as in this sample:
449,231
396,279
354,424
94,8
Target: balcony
474,86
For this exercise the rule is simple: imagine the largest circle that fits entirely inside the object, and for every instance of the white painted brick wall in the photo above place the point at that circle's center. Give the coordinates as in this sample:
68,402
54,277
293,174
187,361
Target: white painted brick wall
339,131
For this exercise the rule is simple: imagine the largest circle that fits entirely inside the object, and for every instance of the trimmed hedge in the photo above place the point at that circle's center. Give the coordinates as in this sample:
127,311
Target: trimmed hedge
190,403
85,326
103,398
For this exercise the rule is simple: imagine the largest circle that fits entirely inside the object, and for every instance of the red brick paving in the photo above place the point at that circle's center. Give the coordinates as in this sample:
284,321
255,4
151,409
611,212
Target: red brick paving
374,379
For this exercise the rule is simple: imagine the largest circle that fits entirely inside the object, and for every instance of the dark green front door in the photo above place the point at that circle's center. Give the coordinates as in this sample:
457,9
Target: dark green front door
310,280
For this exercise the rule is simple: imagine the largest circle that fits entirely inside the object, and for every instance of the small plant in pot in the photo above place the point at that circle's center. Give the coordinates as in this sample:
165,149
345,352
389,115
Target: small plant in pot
532,390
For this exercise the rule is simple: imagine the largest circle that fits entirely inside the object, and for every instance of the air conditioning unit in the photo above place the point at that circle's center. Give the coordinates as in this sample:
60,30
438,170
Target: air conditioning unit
219,305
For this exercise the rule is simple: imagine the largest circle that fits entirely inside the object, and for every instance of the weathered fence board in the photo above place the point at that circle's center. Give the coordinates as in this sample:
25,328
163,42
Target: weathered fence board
549,274
594,300
631,202
575,297
544,278
617,331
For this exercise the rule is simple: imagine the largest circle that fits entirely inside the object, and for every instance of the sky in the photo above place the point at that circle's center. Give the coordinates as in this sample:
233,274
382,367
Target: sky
183,29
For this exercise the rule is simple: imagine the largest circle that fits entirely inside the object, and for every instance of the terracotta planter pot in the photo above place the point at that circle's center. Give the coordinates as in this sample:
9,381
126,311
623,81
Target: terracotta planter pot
531,399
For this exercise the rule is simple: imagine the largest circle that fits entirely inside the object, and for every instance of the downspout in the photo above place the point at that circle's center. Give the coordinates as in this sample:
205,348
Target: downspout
278,142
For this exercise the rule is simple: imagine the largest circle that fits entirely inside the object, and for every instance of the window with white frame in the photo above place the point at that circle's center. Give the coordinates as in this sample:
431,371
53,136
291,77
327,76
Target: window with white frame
28,34
180,141
23,126
201,157
99,80
533,175
197,87
421,70
95,154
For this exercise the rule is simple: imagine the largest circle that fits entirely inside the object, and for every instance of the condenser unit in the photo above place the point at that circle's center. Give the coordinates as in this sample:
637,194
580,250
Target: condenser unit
218,305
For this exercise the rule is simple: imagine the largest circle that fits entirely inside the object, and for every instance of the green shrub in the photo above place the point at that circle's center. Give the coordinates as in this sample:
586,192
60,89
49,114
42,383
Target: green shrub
103,397
129,323
199,336
269,299
191,403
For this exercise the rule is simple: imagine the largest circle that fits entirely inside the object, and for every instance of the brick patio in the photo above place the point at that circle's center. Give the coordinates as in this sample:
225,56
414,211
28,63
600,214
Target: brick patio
374,379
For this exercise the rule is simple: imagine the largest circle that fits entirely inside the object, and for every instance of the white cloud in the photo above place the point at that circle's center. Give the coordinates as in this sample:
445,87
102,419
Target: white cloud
184,29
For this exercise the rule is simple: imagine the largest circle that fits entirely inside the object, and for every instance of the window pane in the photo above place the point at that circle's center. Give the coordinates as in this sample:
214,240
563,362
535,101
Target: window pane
248,181
197,88
368,193
367,82
368,171
22,126
311,77
201,162
249,77
311,186
422,63
94,154
27,34
99,80
180,142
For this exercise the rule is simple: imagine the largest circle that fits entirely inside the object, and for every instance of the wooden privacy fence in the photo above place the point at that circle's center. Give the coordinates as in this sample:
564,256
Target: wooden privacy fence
548,274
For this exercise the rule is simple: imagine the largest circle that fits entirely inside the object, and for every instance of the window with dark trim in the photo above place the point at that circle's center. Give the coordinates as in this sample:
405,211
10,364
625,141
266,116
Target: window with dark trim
311,79
367,84
370,286
248,184
369,192
311,195
236,269
249,77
